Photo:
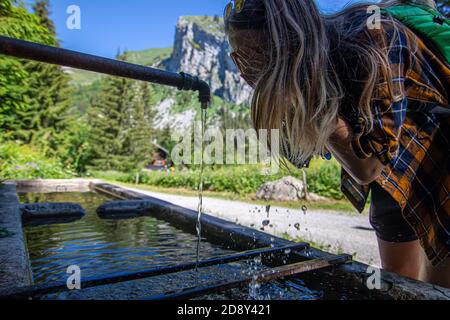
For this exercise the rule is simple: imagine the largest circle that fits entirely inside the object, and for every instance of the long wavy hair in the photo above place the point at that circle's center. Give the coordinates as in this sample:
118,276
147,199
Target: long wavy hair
302,85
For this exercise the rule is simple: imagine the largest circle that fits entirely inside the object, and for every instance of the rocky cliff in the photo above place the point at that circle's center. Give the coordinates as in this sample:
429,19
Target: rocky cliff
201,49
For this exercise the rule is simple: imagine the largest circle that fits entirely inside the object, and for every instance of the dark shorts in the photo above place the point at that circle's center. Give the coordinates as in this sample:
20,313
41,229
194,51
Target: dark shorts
387,219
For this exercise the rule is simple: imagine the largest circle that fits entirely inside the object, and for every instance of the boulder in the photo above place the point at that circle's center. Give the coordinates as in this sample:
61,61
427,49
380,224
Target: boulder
286,189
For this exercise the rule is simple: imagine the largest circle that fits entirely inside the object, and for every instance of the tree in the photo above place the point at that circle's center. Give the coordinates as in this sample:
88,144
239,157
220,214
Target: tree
138,142
48,117
41,9
120,119
16,101
75,148
34,97
107,121
164,138
49,86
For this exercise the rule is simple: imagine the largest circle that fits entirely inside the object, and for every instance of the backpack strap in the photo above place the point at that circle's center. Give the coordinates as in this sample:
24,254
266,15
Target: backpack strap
426,21
432,27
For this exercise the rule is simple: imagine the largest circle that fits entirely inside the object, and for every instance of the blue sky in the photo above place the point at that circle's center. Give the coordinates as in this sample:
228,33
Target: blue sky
107,25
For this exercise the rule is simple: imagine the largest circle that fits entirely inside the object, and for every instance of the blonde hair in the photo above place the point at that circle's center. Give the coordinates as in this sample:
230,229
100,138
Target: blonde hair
301,89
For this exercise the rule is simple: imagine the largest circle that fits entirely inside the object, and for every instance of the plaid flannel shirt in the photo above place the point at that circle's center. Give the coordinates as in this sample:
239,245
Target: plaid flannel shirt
410,140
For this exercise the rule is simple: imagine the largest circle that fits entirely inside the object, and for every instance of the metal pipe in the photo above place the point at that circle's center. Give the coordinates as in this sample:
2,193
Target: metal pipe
32,292
38,52
263,277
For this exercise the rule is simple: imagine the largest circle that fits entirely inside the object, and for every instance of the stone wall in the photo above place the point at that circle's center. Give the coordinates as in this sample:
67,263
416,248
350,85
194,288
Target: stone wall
14,263
15,266
54,185
219,231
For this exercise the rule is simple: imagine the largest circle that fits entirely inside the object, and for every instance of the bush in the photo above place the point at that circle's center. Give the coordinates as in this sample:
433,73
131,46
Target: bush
240,180
111,175
323,178
24,162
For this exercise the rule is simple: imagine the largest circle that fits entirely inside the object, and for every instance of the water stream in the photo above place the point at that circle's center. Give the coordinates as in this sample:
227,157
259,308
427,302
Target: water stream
200,187
254,287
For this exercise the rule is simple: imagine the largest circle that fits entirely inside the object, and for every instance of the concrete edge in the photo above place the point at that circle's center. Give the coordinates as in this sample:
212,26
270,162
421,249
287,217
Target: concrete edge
15,268
244,238
54,185
212,228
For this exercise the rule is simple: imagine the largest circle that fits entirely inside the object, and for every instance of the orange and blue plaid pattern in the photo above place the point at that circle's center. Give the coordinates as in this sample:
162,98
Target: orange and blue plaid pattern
410,140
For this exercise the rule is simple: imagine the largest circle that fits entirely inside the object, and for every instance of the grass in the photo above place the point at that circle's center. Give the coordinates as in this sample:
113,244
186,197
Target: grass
323,178
341,206
82,77
240,183
149,57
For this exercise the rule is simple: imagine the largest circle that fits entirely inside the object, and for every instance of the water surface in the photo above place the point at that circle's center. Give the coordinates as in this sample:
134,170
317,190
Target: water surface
104,247
101,246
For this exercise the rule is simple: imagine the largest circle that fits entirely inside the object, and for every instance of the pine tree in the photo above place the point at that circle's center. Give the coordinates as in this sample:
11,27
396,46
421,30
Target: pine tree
34,97
41,9
107,118
139,137
49,116
164,138
16,101
49,86
120,120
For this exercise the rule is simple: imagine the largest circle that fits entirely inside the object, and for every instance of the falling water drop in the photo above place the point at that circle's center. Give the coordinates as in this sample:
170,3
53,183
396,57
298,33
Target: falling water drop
305,209
268,210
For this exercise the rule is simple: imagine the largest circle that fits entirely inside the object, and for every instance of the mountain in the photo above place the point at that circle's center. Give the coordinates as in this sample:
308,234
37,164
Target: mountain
81,77
148,57
201,49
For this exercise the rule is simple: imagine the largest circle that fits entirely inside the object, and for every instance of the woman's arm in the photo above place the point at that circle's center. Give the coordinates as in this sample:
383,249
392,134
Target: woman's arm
364,171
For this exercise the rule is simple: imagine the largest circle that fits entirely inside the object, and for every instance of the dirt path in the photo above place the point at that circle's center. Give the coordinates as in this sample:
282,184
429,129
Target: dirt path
332,231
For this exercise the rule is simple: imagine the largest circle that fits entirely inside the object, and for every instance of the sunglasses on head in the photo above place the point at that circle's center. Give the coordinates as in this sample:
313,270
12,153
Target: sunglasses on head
236,5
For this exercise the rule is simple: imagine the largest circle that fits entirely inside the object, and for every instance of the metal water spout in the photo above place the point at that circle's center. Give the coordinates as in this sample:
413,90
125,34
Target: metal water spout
42,53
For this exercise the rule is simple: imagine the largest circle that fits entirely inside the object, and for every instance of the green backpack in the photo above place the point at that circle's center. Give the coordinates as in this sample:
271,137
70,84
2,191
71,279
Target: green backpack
425,21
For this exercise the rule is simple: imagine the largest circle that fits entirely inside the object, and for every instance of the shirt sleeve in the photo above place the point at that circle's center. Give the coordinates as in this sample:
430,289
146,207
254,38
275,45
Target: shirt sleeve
389,106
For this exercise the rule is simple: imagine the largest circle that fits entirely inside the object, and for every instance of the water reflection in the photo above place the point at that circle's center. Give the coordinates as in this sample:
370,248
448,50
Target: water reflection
101,246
